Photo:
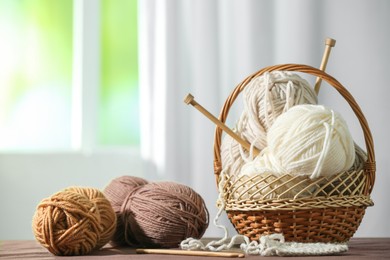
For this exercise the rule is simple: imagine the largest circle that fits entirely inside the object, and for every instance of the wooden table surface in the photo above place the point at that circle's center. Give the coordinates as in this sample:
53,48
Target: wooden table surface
359,248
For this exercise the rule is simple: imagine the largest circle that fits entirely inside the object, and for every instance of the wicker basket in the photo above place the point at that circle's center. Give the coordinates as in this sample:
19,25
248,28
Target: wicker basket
324,210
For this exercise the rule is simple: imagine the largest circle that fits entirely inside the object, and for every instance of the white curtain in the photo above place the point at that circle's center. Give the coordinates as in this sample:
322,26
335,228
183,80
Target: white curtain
207,47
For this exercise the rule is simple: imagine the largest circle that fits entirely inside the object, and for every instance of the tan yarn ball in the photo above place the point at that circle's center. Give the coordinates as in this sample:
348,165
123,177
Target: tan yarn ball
74,221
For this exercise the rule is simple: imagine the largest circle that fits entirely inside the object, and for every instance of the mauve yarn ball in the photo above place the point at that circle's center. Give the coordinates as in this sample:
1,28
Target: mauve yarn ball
74,221
162,214
117,192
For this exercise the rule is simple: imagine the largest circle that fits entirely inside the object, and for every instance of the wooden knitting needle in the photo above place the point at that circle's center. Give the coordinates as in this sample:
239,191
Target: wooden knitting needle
329,43
189,99
189,253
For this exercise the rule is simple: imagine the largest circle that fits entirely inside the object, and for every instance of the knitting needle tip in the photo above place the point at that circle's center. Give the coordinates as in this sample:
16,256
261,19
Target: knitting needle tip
188,99
331,42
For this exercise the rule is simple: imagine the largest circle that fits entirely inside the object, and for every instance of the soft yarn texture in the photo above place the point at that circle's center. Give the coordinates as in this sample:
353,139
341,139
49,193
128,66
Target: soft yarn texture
118,192
159,214
162,214
307,140
74,221
265,98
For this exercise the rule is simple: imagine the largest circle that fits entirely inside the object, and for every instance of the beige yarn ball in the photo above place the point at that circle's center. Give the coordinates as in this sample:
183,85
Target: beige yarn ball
265,97
74,221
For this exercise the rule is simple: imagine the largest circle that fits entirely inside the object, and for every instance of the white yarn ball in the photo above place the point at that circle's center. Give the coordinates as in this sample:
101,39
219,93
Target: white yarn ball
307,140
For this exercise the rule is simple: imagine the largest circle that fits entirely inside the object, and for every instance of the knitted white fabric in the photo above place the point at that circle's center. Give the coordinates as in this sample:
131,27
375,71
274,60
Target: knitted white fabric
274,244
269,245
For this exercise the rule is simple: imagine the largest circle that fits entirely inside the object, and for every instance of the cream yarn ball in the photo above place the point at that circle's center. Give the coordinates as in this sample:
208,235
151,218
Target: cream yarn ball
309,140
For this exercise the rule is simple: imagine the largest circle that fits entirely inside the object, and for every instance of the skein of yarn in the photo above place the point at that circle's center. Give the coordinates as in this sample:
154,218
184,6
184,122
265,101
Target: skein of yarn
158,214
265,98
117,192
162,214
307,140
74,221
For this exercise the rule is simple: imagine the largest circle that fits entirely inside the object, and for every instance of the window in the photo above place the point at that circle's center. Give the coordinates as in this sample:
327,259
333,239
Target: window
68,87
68,74
119,107
35,74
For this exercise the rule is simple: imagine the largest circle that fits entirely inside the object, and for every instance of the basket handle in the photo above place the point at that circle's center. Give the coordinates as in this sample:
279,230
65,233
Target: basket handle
369,166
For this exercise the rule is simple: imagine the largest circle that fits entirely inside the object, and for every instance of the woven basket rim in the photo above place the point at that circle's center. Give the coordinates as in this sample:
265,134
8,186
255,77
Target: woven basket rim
341,190
300,204
369,168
